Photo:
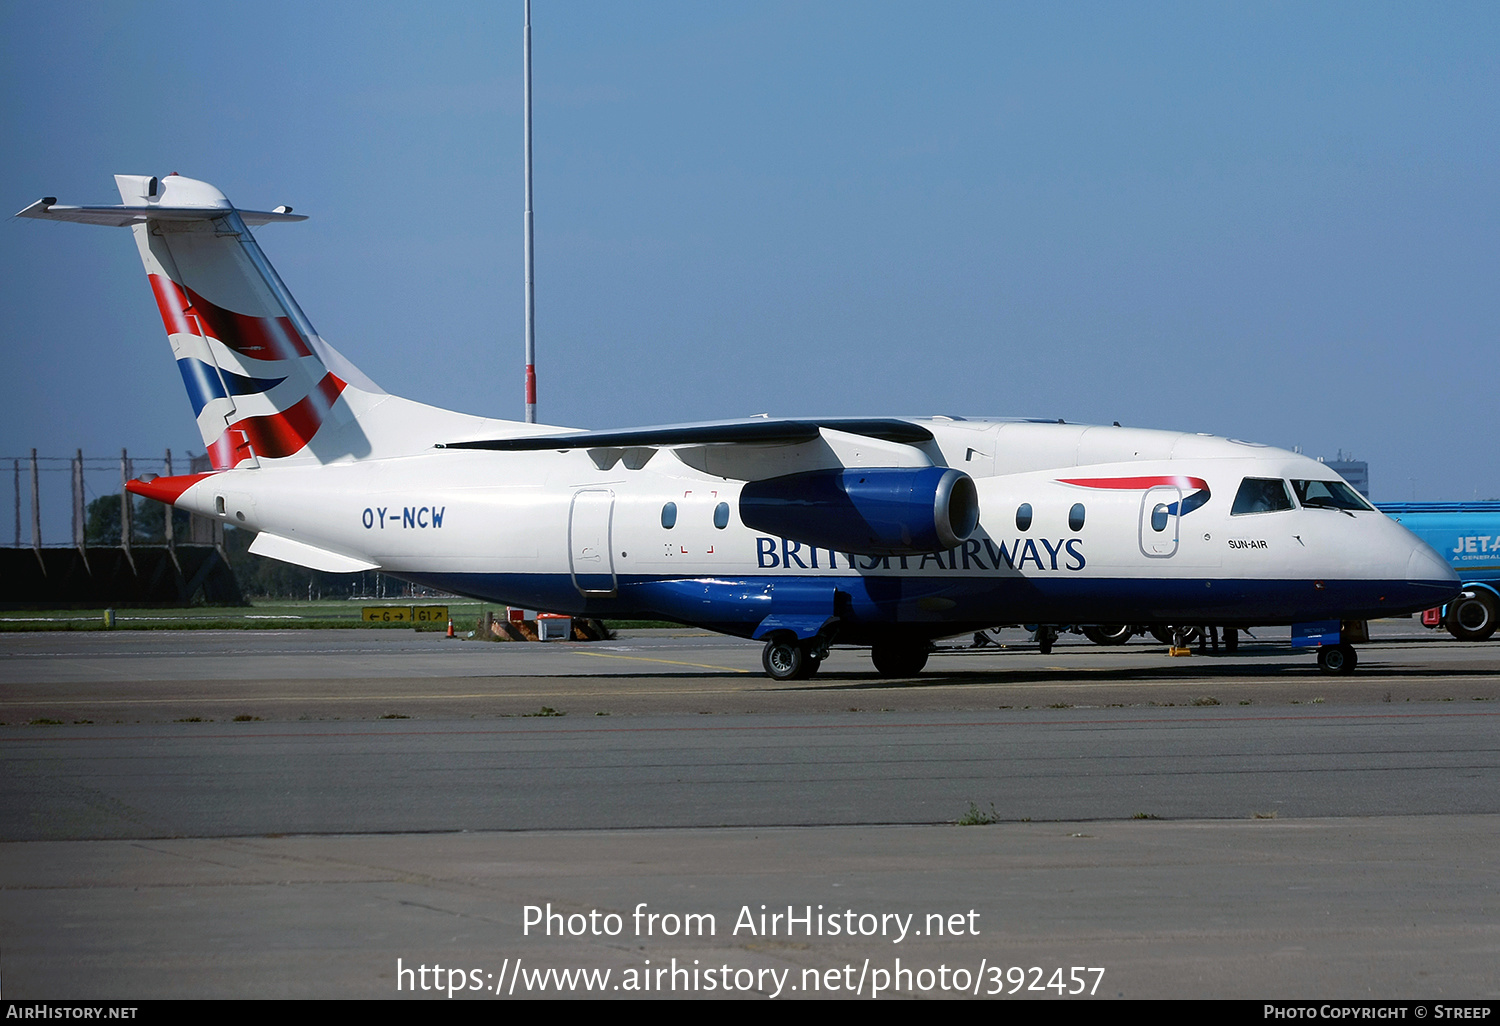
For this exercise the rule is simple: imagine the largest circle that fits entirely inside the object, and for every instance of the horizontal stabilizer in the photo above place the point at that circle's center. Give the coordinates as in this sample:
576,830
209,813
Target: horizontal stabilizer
119,216
758,431
274,546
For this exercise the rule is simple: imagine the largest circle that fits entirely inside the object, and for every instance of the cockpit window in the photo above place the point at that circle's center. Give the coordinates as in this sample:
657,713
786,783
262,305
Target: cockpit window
1328,495
1260,495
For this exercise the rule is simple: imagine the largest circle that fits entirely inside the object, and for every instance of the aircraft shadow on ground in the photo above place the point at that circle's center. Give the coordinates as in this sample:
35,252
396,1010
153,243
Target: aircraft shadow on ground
832,680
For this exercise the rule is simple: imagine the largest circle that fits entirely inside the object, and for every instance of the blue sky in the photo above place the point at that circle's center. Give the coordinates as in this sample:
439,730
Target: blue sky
1269,221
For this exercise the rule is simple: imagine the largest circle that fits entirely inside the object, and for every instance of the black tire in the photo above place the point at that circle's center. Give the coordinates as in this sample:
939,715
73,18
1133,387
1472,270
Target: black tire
811,663
1109,635
783,660
1163,634
899,658
1046,637
1338,659
1472,619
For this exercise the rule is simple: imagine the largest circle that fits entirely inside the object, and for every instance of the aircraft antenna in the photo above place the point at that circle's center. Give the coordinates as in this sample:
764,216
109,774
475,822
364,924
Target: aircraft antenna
530,257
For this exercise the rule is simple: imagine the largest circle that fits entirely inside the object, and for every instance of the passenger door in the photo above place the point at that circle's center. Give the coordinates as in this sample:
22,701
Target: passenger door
1161,509
589,542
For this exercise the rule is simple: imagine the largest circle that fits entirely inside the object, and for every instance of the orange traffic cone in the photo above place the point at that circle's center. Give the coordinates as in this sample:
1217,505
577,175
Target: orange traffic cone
450,626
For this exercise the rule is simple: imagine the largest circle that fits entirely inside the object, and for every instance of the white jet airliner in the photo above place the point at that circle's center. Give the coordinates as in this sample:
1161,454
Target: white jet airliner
887,532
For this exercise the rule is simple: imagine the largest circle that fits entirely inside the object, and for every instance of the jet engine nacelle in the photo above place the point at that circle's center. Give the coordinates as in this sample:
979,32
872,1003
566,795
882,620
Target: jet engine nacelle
880,511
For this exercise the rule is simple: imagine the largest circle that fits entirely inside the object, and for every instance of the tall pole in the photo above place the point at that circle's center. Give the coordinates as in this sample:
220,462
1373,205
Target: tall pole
167,531
80,517
126,527
530,264
36,516
80,523
36,508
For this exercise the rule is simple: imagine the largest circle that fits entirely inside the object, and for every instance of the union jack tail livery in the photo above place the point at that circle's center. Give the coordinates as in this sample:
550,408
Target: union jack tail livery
260,380
265,388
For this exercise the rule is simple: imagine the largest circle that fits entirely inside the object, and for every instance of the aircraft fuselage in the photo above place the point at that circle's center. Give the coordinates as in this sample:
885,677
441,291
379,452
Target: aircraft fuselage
1065,542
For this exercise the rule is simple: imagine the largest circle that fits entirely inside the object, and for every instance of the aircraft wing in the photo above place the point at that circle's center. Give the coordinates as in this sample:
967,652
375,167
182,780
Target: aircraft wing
745,450
757,431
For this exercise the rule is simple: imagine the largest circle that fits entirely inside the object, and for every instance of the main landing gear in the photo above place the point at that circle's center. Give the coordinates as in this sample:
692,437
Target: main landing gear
785,658
900,657
789,659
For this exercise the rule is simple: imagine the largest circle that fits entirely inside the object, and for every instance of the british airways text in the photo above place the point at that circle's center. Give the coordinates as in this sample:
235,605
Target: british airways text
974,554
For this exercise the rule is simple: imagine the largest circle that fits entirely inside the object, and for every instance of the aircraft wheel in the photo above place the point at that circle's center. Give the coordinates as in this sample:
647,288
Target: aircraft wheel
1472,619
1046,637
899,659
811,663
1164,634
783,660
1231,639
1109,635
1339,659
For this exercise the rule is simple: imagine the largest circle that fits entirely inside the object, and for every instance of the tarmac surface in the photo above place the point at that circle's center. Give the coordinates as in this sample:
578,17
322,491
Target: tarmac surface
288,813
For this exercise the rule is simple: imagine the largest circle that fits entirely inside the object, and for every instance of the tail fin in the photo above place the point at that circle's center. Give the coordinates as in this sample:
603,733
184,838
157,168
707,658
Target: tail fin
263,384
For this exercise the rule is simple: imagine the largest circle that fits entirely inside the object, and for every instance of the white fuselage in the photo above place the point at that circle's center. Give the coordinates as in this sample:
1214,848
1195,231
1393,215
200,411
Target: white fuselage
552,530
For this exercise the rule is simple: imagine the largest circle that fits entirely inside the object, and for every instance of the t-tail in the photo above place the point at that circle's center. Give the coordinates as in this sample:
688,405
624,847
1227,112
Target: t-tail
265,388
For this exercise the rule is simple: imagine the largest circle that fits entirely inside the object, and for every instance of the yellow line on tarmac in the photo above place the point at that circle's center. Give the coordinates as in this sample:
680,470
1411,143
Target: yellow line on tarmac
669,662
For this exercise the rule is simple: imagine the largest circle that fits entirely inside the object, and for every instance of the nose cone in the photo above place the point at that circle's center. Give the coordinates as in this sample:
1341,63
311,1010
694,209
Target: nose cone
1425,566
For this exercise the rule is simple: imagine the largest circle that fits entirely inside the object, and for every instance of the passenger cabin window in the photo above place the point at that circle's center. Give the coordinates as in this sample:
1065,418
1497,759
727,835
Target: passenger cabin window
1075,517
1328,495
669,515
1260,495
1023,517
721,515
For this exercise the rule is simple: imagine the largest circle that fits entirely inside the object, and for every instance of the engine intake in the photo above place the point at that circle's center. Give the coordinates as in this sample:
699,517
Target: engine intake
880,511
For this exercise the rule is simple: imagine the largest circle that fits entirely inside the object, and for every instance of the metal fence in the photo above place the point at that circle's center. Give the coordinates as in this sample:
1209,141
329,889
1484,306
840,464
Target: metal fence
51,496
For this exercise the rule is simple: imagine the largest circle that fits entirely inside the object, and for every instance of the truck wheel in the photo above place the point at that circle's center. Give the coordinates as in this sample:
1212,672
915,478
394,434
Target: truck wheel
1472,619
1340,659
